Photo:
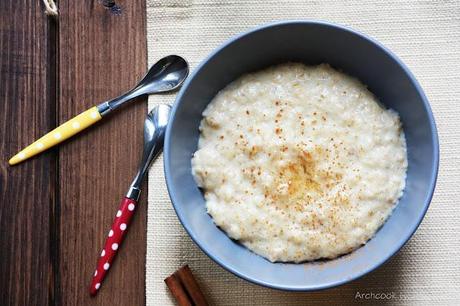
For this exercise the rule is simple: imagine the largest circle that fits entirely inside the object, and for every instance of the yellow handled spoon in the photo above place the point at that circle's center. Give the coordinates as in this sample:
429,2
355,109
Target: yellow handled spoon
166,75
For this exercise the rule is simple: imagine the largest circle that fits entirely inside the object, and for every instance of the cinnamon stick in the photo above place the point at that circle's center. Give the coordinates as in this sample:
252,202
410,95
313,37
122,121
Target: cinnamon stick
178,291
185,289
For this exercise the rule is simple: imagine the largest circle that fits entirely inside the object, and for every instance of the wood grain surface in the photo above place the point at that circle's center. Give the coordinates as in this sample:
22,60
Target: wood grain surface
27,190
57,208
101,55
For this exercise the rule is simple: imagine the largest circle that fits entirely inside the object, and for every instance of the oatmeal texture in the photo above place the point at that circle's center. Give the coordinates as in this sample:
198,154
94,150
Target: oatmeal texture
299,162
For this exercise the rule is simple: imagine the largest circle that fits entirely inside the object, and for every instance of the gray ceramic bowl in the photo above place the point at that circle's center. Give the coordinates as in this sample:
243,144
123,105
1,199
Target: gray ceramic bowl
312,43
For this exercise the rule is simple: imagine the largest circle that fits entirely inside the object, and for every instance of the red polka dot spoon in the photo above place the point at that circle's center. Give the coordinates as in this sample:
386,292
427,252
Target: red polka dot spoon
154,130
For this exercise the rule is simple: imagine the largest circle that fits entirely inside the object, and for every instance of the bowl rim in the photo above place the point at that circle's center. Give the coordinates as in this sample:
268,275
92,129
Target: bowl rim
178,102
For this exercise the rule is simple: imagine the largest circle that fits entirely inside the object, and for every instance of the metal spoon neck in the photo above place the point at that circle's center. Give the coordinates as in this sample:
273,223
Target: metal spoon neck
135,188
106,107
134,192
154,132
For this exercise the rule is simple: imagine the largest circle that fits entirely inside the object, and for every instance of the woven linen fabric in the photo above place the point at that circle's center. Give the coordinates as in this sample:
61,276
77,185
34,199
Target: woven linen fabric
426,36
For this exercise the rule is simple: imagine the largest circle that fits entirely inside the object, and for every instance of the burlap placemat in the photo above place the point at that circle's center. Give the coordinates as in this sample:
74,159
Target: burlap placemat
426,36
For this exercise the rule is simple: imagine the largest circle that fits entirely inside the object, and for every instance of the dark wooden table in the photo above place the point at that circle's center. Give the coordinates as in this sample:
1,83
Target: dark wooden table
56,208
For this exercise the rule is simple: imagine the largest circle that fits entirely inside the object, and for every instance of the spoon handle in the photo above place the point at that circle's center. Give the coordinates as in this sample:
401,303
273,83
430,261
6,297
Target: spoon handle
59,134
112,243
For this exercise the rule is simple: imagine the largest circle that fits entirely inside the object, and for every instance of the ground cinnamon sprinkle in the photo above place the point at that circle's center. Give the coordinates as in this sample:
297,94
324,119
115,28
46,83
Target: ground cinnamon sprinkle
291,162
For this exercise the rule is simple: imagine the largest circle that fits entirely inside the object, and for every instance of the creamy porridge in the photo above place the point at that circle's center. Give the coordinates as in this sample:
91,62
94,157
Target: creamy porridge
299,162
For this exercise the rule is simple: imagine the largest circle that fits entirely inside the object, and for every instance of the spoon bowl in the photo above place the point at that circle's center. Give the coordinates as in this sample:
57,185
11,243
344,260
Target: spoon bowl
168,74
165,75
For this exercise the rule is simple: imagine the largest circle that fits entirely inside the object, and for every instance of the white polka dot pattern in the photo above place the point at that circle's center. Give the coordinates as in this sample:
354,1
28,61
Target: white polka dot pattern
113,242
61,133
